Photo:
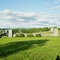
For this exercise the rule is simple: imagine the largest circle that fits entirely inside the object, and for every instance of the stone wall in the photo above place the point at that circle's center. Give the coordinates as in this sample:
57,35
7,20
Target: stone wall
53,32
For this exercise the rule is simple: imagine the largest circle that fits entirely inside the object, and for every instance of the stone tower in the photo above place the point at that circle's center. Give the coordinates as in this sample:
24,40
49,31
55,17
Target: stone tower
55,33
52,29
10,32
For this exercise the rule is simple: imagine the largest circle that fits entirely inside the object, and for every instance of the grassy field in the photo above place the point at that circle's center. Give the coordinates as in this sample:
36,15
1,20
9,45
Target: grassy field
29,48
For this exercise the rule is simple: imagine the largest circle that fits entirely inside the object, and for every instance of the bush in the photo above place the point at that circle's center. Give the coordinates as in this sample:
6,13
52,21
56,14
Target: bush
20,35
38,35
30,35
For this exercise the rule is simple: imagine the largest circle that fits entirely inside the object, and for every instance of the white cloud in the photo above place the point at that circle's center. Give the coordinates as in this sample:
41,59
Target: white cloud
12,19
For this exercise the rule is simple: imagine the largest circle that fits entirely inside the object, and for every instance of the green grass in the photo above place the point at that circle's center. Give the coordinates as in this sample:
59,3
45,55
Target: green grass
29,48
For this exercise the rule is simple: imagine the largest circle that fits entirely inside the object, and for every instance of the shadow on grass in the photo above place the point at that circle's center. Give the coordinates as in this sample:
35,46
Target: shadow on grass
14,47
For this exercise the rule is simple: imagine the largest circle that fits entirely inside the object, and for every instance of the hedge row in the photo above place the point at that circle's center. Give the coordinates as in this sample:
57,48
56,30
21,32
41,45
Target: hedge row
20,35
29,35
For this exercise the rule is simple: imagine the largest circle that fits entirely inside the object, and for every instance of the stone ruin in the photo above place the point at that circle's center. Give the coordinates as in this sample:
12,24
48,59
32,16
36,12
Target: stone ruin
54,32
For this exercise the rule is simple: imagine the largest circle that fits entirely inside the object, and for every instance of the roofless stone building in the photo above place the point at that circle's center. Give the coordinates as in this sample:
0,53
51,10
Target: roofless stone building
54,32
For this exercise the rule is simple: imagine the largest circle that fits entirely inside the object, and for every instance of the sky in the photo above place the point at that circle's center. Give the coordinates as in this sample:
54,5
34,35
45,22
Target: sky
29,13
